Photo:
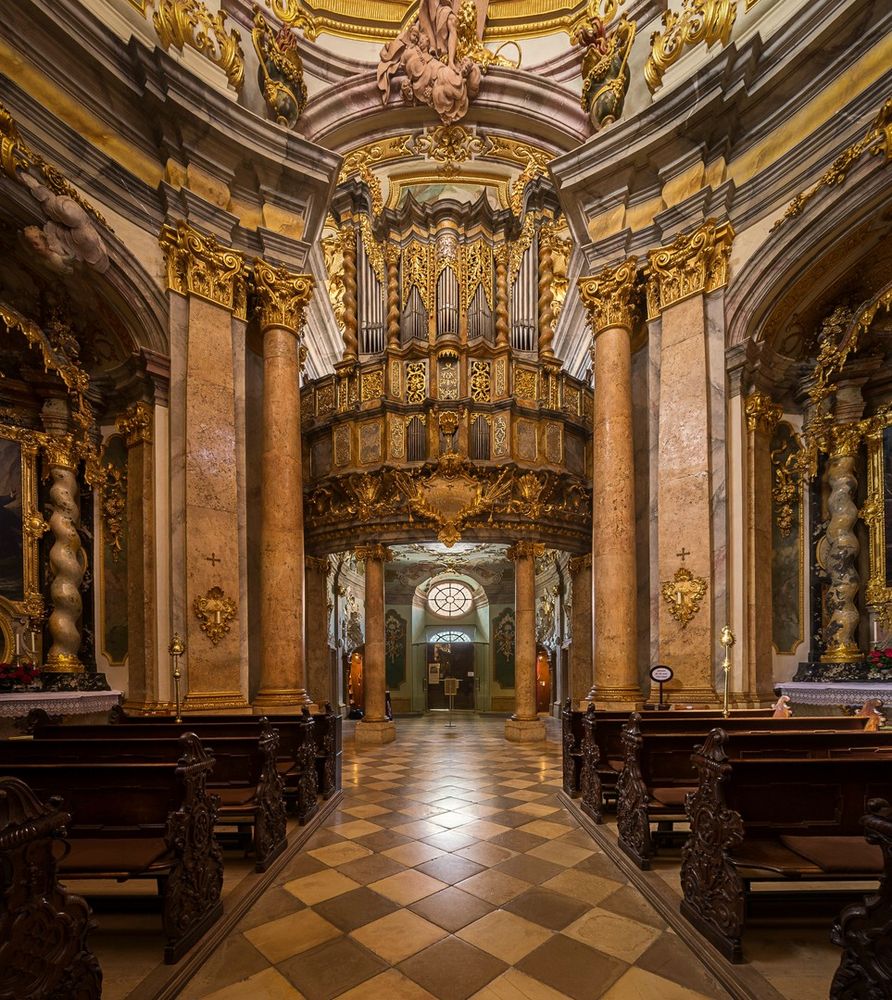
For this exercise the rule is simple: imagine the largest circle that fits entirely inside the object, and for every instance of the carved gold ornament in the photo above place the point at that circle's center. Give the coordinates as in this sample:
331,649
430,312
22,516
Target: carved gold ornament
786,484
281,70
450,146
762,414
114,508
877,141
189,22
605,70
683,594
136,424
215,611
694,263
610,296
201,265
878,593
282,297
707,21
294,14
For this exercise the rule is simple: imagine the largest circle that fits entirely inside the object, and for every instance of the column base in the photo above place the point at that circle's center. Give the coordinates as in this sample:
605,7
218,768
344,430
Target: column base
619,699
688,696
524,730
216,701
280,700
374,734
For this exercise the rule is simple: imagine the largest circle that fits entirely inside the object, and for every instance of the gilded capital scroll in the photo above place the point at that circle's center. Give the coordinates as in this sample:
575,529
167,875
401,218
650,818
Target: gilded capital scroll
203,266
762,414
610,296
282,296
694,263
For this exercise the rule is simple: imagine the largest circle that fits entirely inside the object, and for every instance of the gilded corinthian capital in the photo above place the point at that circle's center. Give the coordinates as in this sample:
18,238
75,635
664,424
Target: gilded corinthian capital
525,550
610,296
694,263
282,296
762,414
365,553
203,266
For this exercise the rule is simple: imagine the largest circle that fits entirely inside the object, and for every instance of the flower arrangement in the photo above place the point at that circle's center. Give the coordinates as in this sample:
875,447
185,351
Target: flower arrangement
880,659
21,674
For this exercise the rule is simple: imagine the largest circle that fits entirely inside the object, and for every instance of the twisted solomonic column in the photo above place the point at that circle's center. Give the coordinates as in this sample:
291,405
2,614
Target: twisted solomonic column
67,559
843,547
611,300
546,293
351,296
392,258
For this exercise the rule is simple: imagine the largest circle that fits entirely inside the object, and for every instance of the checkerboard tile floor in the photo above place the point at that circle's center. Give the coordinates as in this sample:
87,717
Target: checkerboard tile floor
450,870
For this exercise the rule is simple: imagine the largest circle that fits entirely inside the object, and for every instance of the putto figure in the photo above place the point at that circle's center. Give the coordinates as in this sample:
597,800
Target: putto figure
441,68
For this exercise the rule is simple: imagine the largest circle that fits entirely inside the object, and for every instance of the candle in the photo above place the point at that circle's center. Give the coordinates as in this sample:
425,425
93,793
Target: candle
875,638
18,644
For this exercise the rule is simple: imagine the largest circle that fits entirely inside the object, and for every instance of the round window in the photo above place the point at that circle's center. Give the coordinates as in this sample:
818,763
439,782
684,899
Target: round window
449,599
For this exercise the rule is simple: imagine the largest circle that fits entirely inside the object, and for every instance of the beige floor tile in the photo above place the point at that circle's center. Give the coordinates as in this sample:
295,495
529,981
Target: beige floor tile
589,889
321,886
413,854
561,853
398,935
505,935
340,854
287,936
495,887
618,936
514,985
636,984
365,811
484,829
526,795
266,985
419,829
545,828
357,828
407,887
486,854
390,985
537,809
800,987
517,783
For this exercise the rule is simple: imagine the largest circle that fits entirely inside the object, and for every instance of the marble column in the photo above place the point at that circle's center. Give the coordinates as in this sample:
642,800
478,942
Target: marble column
610,297
762,416
842,548
143,660
374,728
318,655
582,677
679,277
525,726
208,285
282,299
67,559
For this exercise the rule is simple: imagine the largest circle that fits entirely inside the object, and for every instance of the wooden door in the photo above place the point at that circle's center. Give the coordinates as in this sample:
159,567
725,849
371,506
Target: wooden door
454,659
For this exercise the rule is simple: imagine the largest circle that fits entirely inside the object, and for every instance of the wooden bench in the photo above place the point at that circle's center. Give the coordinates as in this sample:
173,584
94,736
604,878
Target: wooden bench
658,774
245,775
864,930
146,820
603,752
43,928
781,820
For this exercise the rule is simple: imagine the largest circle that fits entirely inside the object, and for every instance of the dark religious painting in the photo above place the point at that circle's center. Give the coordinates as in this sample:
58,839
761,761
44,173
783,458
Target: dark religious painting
395,630
503,648
12,568
887,499
114,551
786,541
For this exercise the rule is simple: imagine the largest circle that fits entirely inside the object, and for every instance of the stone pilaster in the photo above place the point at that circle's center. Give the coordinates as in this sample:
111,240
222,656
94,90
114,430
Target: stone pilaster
762,416
318,654
207,570
611,299
581,660
281,300
679,277
525,726
374,728
143,661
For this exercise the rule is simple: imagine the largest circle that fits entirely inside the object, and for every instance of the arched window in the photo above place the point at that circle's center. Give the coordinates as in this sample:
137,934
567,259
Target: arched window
450,635
450,599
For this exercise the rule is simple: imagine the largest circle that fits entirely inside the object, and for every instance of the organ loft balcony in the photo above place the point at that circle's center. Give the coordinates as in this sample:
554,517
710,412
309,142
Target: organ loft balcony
449,416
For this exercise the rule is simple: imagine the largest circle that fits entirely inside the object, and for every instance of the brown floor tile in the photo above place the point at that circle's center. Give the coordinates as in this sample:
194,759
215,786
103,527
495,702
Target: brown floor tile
353,909
275,902
302,865
236,959
450,868
517,840
486,854
672,959
383,840
451,908
328,971
390,985
525,866
266,985
629,903
451,840
612,934
514,985
370,869
495,887
572,968
452,969
550,909
288,936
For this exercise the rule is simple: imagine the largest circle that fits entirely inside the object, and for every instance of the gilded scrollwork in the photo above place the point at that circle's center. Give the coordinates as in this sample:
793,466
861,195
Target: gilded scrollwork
203,266
281,296
189,22
692,264
281,70
480,381
683,595
707,21
611,296
215,612
605,69
114,508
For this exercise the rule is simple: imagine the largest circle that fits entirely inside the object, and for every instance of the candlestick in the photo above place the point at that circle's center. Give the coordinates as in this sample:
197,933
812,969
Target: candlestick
727,641
176,650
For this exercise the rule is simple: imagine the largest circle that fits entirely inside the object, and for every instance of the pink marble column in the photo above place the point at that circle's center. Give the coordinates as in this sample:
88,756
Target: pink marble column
374,728
525,726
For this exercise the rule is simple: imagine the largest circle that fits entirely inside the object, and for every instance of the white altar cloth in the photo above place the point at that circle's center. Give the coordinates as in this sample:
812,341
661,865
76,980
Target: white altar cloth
14,706
851,693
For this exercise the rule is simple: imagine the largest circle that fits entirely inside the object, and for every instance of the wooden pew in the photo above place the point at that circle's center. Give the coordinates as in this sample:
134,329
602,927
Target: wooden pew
43,928
603,745
786,820
147,820
864,930
245,775
658,773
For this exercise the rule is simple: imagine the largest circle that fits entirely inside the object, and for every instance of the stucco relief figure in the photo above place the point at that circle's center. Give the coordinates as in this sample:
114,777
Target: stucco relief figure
428,54
68,234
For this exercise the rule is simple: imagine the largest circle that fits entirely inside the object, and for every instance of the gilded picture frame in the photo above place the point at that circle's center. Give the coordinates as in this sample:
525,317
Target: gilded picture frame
877,514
